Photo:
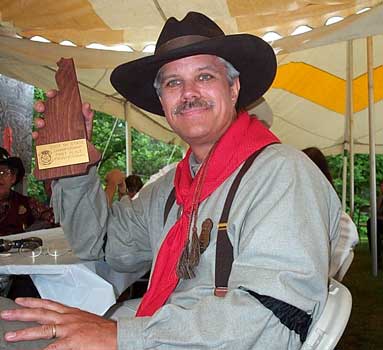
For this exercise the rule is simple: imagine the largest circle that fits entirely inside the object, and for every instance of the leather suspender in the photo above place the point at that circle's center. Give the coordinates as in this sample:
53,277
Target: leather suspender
224,249
169,203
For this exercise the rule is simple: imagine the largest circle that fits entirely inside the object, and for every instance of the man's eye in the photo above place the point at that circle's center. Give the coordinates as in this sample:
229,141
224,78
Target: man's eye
205,76
173,83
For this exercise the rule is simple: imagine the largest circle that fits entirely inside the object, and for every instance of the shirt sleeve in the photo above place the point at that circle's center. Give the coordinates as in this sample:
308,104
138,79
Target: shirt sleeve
281,232
118,234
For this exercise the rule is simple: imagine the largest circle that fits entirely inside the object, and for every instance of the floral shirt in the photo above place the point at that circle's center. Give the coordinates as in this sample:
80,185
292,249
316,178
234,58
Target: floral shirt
20,213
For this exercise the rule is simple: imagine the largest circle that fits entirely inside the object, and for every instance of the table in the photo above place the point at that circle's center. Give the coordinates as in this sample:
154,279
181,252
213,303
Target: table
88,285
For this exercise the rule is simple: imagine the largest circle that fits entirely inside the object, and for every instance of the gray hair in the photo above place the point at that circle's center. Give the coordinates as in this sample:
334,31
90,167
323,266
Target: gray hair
231,75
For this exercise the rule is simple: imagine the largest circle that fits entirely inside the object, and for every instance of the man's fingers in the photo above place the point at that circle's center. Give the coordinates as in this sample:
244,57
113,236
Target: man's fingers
88,114
41,316
39,106
51,93
87,110
36,303
60,344
46,331
39,123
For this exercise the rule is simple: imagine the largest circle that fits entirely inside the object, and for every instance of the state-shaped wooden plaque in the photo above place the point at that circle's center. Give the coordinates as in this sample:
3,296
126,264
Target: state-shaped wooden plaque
62,148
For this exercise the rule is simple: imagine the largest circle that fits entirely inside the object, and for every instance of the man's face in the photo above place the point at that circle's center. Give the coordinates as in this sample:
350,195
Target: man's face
198,102
7,179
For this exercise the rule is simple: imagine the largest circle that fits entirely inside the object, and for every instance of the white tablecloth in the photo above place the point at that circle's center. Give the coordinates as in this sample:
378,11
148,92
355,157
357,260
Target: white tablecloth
88,285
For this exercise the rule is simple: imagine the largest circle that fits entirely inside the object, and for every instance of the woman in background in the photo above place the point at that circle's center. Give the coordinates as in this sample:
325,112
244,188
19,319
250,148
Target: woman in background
348,239
19,213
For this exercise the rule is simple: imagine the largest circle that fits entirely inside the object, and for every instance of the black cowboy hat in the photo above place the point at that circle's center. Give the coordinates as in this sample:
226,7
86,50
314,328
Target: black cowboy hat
196,34
14,163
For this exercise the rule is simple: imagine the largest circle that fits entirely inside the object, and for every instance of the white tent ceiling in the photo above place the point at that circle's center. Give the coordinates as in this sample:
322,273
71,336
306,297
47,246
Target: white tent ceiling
308,96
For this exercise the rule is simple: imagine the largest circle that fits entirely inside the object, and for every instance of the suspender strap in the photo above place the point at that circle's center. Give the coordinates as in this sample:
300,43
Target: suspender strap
169,203
224,250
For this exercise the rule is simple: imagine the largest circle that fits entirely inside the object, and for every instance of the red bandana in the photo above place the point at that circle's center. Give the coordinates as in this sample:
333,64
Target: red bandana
245,136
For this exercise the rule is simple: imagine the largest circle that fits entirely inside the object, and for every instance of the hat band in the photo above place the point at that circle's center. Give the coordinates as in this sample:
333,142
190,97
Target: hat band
181,41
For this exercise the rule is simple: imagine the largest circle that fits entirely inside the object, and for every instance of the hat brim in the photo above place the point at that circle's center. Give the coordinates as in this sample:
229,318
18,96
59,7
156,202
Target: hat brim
250,55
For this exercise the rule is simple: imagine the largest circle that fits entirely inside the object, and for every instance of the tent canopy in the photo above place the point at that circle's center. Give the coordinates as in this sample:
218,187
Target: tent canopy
308,95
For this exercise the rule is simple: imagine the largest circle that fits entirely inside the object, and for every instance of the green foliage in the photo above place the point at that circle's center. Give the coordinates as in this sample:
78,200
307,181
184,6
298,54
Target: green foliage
148,155
35,187
361,181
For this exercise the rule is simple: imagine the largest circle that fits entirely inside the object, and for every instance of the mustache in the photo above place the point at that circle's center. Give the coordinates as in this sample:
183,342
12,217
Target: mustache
196,103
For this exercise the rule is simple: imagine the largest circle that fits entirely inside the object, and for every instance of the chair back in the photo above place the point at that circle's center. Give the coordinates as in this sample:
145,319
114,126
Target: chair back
344,267
326,332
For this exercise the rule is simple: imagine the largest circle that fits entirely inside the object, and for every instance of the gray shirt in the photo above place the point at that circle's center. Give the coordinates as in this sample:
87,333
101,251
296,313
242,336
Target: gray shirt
283,223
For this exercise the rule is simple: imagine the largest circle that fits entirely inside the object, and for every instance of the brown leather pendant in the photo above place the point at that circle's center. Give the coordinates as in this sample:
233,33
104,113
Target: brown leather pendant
204,238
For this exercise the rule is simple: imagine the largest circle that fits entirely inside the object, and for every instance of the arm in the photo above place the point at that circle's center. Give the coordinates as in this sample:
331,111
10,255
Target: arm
133,229
43,215
115,179
81,206
281,250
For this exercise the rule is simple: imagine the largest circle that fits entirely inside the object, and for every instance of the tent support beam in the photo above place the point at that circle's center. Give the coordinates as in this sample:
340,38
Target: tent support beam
371,125
128,138
350,116
344,180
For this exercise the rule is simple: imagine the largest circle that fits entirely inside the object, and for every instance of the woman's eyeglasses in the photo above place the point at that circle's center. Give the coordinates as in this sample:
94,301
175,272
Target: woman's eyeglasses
6,172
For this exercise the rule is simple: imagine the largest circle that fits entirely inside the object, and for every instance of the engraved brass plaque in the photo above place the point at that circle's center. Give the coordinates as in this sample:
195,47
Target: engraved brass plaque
62,153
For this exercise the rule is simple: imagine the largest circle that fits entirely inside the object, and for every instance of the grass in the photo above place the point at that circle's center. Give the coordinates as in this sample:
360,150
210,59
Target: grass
365,327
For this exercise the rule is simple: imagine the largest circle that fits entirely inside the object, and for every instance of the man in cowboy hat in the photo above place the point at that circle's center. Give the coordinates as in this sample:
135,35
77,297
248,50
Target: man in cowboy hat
240,255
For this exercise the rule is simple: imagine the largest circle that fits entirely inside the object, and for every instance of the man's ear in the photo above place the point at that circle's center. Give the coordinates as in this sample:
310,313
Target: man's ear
234,90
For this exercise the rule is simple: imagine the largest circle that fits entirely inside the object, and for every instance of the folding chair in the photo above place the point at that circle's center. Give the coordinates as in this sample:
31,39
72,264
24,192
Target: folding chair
344,267
343,252
326,332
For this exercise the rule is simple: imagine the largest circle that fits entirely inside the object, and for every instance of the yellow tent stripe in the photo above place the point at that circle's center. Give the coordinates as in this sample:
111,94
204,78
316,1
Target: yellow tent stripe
326,89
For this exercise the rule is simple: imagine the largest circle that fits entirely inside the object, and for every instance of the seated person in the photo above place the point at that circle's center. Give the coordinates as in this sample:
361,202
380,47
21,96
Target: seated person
115,180
18,213
271,249
348,238
379,227
133,185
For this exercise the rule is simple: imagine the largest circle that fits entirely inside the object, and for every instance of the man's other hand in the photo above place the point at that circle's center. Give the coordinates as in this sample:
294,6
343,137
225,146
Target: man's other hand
87,113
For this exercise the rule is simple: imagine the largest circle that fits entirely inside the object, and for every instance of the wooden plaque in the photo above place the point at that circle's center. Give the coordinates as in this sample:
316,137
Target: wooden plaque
62,148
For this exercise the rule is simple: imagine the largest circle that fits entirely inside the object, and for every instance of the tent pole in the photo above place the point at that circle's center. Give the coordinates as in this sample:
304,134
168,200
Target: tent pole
350,116
344,180
107,143
371,125
128,138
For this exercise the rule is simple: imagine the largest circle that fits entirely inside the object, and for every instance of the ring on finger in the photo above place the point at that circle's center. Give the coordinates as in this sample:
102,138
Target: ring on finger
53,331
